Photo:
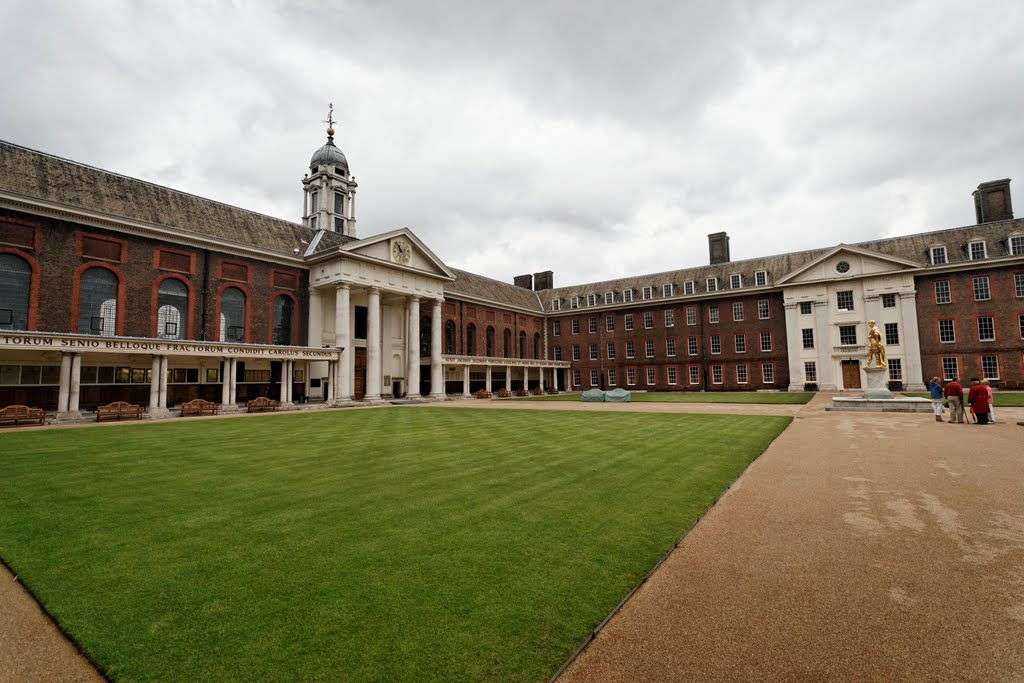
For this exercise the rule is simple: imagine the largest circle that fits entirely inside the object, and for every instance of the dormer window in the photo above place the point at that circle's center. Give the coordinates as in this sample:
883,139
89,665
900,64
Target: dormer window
627,295
735,281
574,302
937,256
648,292
761,278
1016,244
712,284
556,305
609,297
591,299
976,250
667,290
689,287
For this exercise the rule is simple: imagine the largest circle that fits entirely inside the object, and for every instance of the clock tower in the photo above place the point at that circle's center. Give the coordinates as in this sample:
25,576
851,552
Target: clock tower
329,189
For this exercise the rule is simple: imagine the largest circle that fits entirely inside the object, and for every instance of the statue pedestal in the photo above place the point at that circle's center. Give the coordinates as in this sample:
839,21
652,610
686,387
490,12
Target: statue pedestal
878,385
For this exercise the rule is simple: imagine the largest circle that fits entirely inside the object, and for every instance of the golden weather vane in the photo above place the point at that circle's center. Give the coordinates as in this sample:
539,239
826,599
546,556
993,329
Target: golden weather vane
330,118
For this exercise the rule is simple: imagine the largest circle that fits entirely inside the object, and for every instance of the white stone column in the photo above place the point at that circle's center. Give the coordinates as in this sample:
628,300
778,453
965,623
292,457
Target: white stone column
330,389
526,378
342,324
436,368
162,383
412,374
554,378
541,372
823,342
794,344
154,384
913,373
508,378
65,383
373,339
75,384
315,328
488,387
233,382
465,381
225,388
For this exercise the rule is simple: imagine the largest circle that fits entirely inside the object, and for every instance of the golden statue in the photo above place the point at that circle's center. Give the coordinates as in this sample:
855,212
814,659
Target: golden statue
876,349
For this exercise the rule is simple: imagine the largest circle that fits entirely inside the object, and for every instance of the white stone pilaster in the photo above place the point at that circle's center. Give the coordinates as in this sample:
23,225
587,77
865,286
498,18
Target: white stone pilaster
465,381
373,340
75,383
823,342
342,384
913,373
436,369
412,373
794,346
488,387
315,329
64,391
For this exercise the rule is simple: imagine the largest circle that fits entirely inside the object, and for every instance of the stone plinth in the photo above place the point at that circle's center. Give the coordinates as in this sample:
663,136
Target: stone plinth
882,405
878,384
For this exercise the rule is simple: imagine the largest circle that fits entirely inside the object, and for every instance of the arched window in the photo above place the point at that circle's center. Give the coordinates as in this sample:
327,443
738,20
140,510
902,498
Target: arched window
97,302
490,342
284,310
232,315
424,336
536,345
449,337
15,286
522,344
471,340
508,343
171,309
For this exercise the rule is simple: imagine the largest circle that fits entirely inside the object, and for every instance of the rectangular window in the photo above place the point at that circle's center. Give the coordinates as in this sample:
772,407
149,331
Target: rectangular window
691,343
1017,245
591,299
805,308
712,283
627,295
938,255
689,287
611,376
594,378
949,368
668,290
976,251
761,278
592,324
768,373
1018,285
942,292
740,341
556,305
892,334
1020,322
766,341
737,311
716,343
630,376
574,302
609,323
609,297
735,281
713,314
649,348
990,367
556,328
764,311
691,315
986,329
694,374
576,381
671,375
981,291
807,334
741,373
670,347
627,321
575,351
716,374
650,377
611,350
888,301
630,350
575,326
648,292
670,318
648,320
558,352
947,333
895,370
810,371
593,352
844,300
847,334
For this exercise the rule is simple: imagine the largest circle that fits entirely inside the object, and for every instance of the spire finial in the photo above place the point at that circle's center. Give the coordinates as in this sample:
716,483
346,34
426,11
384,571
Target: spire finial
330,120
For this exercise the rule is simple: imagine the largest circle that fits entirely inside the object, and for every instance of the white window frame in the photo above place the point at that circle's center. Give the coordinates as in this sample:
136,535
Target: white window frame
983,251
768,373
992,323
761,278
810,371
609,297
630,349
610,350
739,343
691,346
693,375
736,281
737,311
948,292
670,317
741,377
648,320
627,295
1016,245
652,377
691,315
575,326
595,379
689,287
670,347
716,374
648,348
668,289
994,361
950,370
631,377
671,375
591,299
766,337
627,321
556,328
556,305
715,342
713,314
951,327
712,284
592,324
609,323
593,352
574,302
937,251
647,292
611,377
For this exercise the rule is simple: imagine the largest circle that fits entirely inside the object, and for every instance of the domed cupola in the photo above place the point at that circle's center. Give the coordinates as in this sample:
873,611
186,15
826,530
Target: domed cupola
330,190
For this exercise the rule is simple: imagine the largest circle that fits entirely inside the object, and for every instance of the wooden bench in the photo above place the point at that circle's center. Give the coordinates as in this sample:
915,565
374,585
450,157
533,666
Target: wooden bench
118,410
199,406
262,404
17,414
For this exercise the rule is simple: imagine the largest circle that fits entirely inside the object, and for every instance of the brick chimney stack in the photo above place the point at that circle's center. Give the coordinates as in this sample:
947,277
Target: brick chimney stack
524,281
992,201
718,246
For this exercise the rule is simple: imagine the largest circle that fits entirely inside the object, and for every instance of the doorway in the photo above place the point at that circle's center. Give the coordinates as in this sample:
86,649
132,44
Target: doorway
851,374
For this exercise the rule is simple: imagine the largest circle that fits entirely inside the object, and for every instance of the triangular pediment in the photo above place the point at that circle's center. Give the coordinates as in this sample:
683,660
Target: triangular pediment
401,249
845,262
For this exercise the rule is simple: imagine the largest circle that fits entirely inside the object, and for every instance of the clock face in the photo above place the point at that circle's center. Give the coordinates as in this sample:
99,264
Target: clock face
401,251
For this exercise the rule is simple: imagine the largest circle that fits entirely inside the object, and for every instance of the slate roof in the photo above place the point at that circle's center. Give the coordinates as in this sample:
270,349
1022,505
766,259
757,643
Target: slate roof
480,287
45,177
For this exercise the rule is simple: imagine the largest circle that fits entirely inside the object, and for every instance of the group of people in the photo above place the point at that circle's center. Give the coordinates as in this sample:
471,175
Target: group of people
979,400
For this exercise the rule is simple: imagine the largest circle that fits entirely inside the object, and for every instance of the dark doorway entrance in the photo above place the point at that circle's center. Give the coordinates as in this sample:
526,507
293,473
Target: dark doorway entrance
851,374
359,388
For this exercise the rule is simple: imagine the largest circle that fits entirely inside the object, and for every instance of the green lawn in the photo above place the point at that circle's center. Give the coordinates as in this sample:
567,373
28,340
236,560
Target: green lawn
775,398
1005,399
399,544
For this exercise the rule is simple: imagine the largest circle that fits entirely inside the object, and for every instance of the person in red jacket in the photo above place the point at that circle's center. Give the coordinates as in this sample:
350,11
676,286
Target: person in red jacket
977,397
954,393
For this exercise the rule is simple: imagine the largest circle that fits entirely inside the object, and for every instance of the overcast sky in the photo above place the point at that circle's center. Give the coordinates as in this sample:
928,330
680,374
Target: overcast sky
595,139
